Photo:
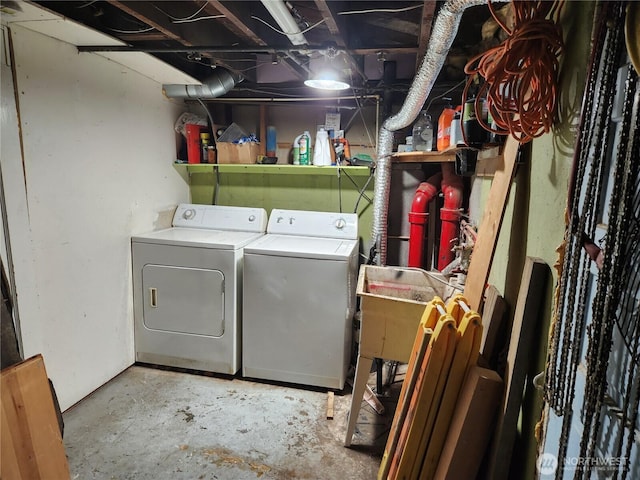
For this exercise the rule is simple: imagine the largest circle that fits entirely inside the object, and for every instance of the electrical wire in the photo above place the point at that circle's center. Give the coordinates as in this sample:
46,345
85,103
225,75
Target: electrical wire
132,32
191,20
461,82
381,10
178,19
215,167
520,74
277,30
86,4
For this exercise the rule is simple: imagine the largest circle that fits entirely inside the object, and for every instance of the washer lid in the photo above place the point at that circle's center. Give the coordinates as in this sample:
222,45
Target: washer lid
302,247
196,237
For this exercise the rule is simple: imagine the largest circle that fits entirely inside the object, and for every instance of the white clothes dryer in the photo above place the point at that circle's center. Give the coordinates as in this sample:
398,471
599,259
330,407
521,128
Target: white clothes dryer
299,298
187,287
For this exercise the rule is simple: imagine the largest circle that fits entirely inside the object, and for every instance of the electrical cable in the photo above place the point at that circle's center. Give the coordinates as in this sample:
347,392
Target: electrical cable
520,75
191,20
182,18
215,167
132,32
461,82
277,30
381,10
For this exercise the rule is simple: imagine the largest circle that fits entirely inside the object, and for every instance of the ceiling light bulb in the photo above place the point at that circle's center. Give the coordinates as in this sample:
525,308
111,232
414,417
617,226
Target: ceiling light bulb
327,80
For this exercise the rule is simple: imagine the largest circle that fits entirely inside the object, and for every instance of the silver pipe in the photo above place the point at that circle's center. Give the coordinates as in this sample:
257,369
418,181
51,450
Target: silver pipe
443,33
292,99
218,84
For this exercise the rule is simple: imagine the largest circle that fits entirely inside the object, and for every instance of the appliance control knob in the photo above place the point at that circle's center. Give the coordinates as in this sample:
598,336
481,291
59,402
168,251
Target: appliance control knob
341,223
189,214
252,218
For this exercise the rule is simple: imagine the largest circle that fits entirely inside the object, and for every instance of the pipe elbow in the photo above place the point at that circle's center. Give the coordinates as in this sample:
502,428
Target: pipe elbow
452,188
425,192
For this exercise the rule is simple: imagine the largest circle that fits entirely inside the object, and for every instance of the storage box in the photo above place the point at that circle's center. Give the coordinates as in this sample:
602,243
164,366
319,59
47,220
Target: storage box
237,153
392,301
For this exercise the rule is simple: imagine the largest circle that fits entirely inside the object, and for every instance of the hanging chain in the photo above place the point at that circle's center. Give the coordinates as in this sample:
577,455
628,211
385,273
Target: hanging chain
586,198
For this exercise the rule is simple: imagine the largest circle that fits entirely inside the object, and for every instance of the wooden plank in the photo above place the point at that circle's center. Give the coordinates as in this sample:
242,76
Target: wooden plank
263,130
424,157
527,313
32,446
330,396
471,425
425,397
489,229
489,161
423,336
466,356
494,319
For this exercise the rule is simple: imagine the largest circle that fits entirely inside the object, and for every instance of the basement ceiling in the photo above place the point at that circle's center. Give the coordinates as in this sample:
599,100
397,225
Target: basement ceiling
377,45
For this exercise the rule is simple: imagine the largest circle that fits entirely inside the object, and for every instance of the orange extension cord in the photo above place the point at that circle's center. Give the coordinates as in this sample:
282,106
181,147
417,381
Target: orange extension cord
520,74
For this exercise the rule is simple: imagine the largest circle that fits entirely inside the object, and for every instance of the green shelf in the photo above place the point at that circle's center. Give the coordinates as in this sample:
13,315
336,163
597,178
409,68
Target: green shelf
272,169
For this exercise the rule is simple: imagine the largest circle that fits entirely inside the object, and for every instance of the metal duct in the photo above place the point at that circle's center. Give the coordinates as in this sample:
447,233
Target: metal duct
218,84
443,33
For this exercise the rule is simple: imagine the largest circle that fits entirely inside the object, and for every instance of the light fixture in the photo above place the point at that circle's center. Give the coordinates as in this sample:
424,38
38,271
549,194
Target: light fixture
327,79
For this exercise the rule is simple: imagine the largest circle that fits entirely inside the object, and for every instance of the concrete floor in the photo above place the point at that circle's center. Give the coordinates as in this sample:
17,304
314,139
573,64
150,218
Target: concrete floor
158,424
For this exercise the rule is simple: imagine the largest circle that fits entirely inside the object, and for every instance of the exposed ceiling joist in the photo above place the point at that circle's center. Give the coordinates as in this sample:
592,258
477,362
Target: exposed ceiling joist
332,25
425,29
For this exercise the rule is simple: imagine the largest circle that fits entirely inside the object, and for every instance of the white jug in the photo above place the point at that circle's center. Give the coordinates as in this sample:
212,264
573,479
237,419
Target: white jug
321,153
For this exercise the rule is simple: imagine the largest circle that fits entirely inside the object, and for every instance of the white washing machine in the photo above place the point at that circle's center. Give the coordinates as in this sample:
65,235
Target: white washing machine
187,283
299,298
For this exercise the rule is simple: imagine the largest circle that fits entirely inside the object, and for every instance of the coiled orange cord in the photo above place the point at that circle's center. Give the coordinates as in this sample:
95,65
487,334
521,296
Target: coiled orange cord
520,74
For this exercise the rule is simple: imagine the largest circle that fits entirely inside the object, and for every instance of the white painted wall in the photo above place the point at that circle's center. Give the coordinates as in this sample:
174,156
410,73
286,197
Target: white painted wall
98,148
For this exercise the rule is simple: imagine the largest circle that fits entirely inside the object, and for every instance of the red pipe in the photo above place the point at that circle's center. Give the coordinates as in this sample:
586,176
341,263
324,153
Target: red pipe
449,214
418,217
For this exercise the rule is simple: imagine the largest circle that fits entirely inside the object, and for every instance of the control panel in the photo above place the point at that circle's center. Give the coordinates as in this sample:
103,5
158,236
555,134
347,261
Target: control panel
220,217
313,224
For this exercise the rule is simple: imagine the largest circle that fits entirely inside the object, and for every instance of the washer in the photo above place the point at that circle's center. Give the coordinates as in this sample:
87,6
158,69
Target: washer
299,298
187,284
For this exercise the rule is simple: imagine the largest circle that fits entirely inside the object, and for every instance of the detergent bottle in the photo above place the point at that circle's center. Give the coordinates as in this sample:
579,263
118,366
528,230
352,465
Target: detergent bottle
296,150
305,147
321,153
444,128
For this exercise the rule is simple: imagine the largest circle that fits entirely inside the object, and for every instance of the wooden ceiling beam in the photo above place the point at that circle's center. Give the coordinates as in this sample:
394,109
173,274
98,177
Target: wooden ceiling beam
426,22
233,23
239,27
332,26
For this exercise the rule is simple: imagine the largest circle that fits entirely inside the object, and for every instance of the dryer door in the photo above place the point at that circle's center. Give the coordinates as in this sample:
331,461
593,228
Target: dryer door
183,300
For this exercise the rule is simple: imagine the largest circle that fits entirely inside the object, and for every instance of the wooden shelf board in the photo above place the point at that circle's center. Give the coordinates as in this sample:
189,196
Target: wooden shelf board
271,169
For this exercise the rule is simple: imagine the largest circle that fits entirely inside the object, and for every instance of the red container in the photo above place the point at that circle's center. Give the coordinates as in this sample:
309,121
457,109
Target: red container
193,142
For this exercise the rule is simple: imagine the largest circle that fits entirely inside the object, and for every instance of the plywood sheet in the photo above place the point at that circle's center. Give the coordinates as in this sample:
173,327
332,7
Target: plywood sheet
31,446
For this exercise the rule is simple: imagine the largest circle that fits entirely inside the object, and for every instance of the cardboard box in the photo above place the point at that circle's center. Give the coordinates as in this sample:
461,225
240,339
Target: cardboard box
237,153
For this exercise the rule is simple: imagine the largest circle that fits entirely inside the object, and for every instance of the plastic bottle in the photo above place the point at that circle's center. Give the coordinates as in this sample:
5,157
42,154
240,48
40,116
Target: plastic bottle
271,141
422,133
456,129
321,153
474,134
296,150
444,128
204,147
305,146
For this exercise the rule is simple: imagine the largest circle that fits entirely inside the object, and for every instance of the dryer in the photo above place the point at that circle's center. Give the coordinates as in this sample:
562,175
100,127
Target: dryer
299,298
187,287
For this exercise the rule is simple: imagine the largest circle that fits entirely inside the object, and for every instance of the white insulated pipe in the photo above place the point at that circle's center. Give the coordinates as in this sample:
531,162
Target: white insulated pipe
281,14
